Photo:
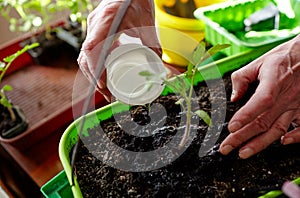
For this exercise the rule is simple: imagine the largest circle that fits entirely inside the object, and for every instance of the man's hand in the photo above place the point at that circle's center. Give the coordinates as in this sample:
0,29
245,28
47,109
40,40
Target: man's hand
275,104
139,14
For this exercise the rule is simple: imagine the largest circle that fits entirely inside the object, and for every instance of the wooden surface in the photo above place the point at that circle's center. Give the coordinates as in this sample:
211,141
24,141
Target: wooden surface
51,97
41,162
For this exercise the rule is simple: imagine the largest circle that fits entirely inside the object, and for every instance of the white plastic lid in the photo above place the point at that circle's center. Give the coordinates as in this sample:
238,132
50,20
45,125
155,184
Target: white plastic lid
124,81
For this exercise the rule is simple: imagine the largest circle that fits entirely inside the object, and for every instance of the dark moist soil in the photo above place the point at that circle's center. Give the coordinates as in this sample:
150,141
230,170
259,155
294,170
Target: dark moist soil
213,175
6,123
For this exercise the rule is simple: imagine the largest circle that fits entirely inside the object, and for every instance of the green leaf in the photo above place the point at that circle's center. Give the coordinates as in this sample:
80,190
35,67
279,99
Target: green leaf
181,85
146,73
26,26
214,49
7,88
5,102
204,116
199,53
18,53
189,71
217,48
13,21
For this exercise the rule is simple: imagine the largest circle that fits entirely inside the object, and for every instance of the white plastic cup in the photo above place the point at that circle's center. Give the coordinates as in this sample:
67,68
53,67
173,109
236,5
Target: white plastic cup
123,67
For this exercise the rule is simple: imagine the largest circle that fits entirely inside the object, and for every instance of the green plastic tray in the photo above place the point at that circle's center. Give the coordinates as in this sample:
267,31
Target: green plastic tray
70,136
224,24
57,187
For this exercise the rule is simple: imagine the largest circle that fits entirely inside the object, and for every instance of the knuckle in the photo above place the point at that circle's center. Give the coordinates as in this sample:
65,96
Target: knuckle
262,123
279,129
88,45
91,16
235,76
268,99
238,139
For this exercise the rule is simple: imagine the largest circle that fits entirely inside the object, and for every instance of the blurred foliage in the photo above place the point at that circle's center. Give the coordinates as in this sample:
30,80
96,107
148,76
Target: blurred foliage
29,15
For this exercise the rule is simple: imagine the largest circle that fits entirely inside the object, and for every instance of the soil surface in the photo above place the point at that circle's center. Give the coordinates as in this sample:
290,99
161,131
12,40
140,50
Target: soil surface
6,123
189,175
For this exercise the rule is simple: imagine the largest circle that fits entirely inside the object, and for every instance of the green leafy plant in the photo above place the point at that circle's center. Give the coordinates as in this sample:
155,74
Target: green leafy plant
3,69
27,15
30,15
79,10
184,86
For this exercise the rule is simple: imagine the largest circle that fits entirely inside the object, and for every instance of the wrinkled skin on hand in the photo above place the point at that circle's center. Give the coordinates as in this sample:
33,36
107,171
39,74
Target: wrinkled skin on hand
140,13
275,104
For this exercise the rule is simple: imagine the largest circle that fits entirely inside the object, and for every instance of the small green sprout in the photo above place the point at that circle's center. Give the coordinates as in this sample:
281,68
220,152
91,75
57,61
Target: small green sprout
3,69
184,86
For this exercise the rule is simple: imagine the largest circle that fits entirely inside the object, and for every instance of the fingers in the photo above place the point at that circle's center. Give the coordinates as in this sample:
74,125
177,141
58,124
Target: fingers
256,140
145,28
83,65
268,114
240,83
291,137
99,23
260,102
100,86
260,142
242,78
264,98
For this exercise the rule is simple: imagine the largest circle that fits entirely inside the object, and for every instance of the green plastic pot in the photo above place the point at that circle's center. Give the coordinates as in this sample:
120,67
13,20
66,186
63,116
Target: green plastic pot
70,136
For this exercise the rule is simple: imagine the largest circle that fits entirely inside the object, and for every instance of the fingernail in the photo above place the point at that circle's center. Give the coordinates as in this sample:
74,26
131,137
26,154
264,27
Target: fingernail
234,126
226,149
286,141
233,94
246,152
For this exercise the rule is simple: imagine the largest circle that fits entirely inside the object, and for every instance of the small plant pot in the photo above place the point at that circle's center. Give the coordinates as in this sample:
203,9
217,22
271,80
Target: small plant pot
178,35
172,29
10,129
64,39
50,49
72,34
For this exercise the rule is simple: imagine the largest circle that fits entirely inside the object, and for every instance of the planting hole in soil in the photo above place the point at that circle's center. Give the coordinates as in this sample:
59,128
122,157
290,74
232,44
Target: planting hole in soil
189,175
